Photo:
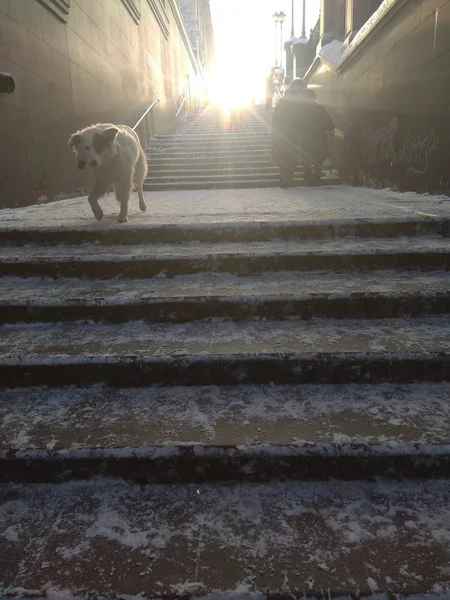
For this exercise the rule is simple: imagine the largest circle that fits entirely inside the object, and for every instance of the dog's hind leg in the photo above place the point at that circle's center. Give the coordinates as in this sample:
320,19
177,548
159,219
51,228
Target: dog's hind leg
140,171
97,192
123,192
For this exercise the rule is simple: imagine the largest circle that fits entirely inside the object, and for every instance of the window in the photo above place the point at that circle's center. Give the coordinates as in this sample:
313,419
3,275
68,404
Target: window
133,7
60,8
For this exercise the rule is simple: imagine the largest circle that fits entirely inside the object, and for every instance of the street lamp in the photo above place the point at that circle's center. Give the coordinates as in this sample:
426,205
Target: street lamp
275,18
304,19
281,18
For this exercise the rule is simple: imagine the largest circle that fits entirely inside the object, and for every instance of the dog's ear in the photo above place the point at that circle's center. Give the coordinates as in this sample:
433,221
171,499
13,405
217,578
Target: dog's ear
110,134
75,139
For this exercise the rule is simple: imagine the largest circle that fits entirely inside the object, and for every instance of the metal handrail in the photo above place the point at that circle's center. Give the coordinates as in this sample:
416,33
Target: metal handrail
156,101
181,105
277,95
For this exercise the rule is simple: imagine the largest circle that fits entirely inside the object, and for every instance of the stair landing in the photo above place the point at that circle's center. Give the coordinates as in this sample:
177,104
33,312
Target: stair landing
249,208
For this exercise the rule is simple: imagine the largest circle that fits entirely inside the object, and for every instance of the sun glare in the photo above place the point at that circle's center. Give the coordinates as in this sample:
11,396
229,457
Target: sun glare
231,84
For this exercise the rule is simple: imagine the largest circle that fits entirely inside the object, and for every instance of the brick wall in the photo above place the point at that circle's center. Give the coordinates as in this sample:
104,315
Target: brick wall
103,61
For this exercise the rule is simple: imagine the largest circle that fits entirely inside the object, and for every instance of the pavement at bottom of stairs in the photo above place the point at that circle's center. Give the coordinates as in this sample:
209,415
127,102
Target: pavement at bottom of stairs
95,538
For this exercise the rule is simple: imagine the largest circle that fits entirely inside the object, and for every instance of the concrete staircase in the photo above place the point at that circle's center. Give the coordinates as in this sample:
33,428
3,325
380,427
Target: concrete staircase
215,151
250,407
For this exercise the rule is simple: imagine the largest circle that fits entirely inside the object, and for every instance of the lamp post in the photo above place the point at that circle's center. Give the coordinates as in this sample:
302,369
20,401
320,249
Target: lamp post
281,18
292,24
304,20
275,18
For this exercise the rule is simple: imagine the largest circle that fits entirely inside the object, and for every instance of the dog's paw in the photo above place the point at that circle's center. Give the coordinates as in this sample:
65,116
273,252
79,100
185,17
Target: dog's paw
122,219
98,214
143,207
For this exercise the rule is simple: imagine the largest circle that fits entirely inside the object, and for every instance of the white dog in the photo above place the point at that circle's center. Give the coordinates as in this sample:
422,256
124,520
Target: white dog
117,161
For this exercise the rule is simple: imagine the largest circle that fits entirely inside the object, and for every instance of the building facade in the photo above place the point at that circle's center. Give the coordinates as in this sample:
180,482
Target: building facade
382,69
76,62
197,19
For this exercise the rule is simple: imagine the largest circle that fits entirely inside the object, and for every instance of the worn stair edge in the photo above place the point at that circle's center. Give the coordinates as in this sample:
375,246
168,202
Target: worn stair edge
251,231
237,263
188,308
196,463
226,369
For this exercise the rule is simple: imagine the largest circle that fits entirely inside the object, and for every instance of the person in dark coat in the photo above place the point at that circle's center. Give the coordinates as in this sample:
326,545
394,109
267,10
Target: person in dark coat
269,92
285,131
316,127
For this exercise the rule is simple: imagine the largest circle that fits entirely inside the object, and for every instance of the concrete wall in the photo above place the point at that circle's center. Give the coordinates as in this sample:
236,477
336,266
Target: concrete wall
103,61
390,100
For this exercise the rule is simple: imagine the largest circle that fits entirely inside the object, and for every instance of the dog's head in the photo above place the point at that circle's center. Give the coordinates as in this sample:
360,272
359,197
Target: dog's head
93,146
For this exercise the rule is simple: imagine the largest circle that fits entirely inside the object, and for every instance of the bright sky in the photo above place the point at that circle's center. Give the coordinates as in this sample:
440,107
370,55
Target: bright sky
244,33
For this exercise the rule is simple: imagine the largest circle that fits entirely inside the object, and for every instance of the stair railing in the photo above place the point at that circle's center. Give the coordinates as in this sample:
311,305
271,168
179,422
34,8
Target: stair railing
278,95
148,134
181,112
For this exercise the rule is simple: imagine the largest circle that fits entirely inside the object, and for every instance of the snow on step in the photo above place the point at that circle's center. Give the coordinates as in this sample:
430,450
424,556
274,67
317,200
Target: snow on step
90,539
321,247
283,285
222,337
394,416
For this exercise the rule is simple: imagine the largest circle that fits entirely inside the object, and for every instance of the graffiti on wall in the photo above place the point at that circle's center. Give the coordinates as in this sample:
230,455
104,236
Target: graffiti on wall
414,151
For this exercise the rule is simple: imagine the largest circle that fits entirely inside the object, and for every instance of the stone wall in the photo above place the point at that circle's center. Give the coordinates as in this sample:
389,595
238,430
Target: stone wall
389,98
76,62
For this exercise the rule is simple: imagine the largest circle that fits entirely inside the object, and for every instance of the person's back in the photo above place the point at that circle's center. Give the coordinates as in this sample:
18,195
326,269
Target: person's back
269,92
285,131
316,125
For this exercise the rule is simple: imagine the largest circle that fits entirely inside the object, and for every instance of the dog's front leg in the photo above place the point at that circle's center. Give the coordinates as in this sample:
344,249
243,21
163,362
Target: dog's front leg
97,192
123,192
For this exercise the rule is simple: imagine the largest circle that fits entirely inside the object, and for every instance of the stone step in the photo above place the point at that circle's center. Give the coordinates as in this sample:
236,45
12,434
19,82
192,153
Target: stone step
226,118
146,260
248,154
213,434
279,541
209,137
222,231
214,149
208,171
187,144
224,133
210,178
224,352
181,139
157,161
231,184
224,130
185,298
219,169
